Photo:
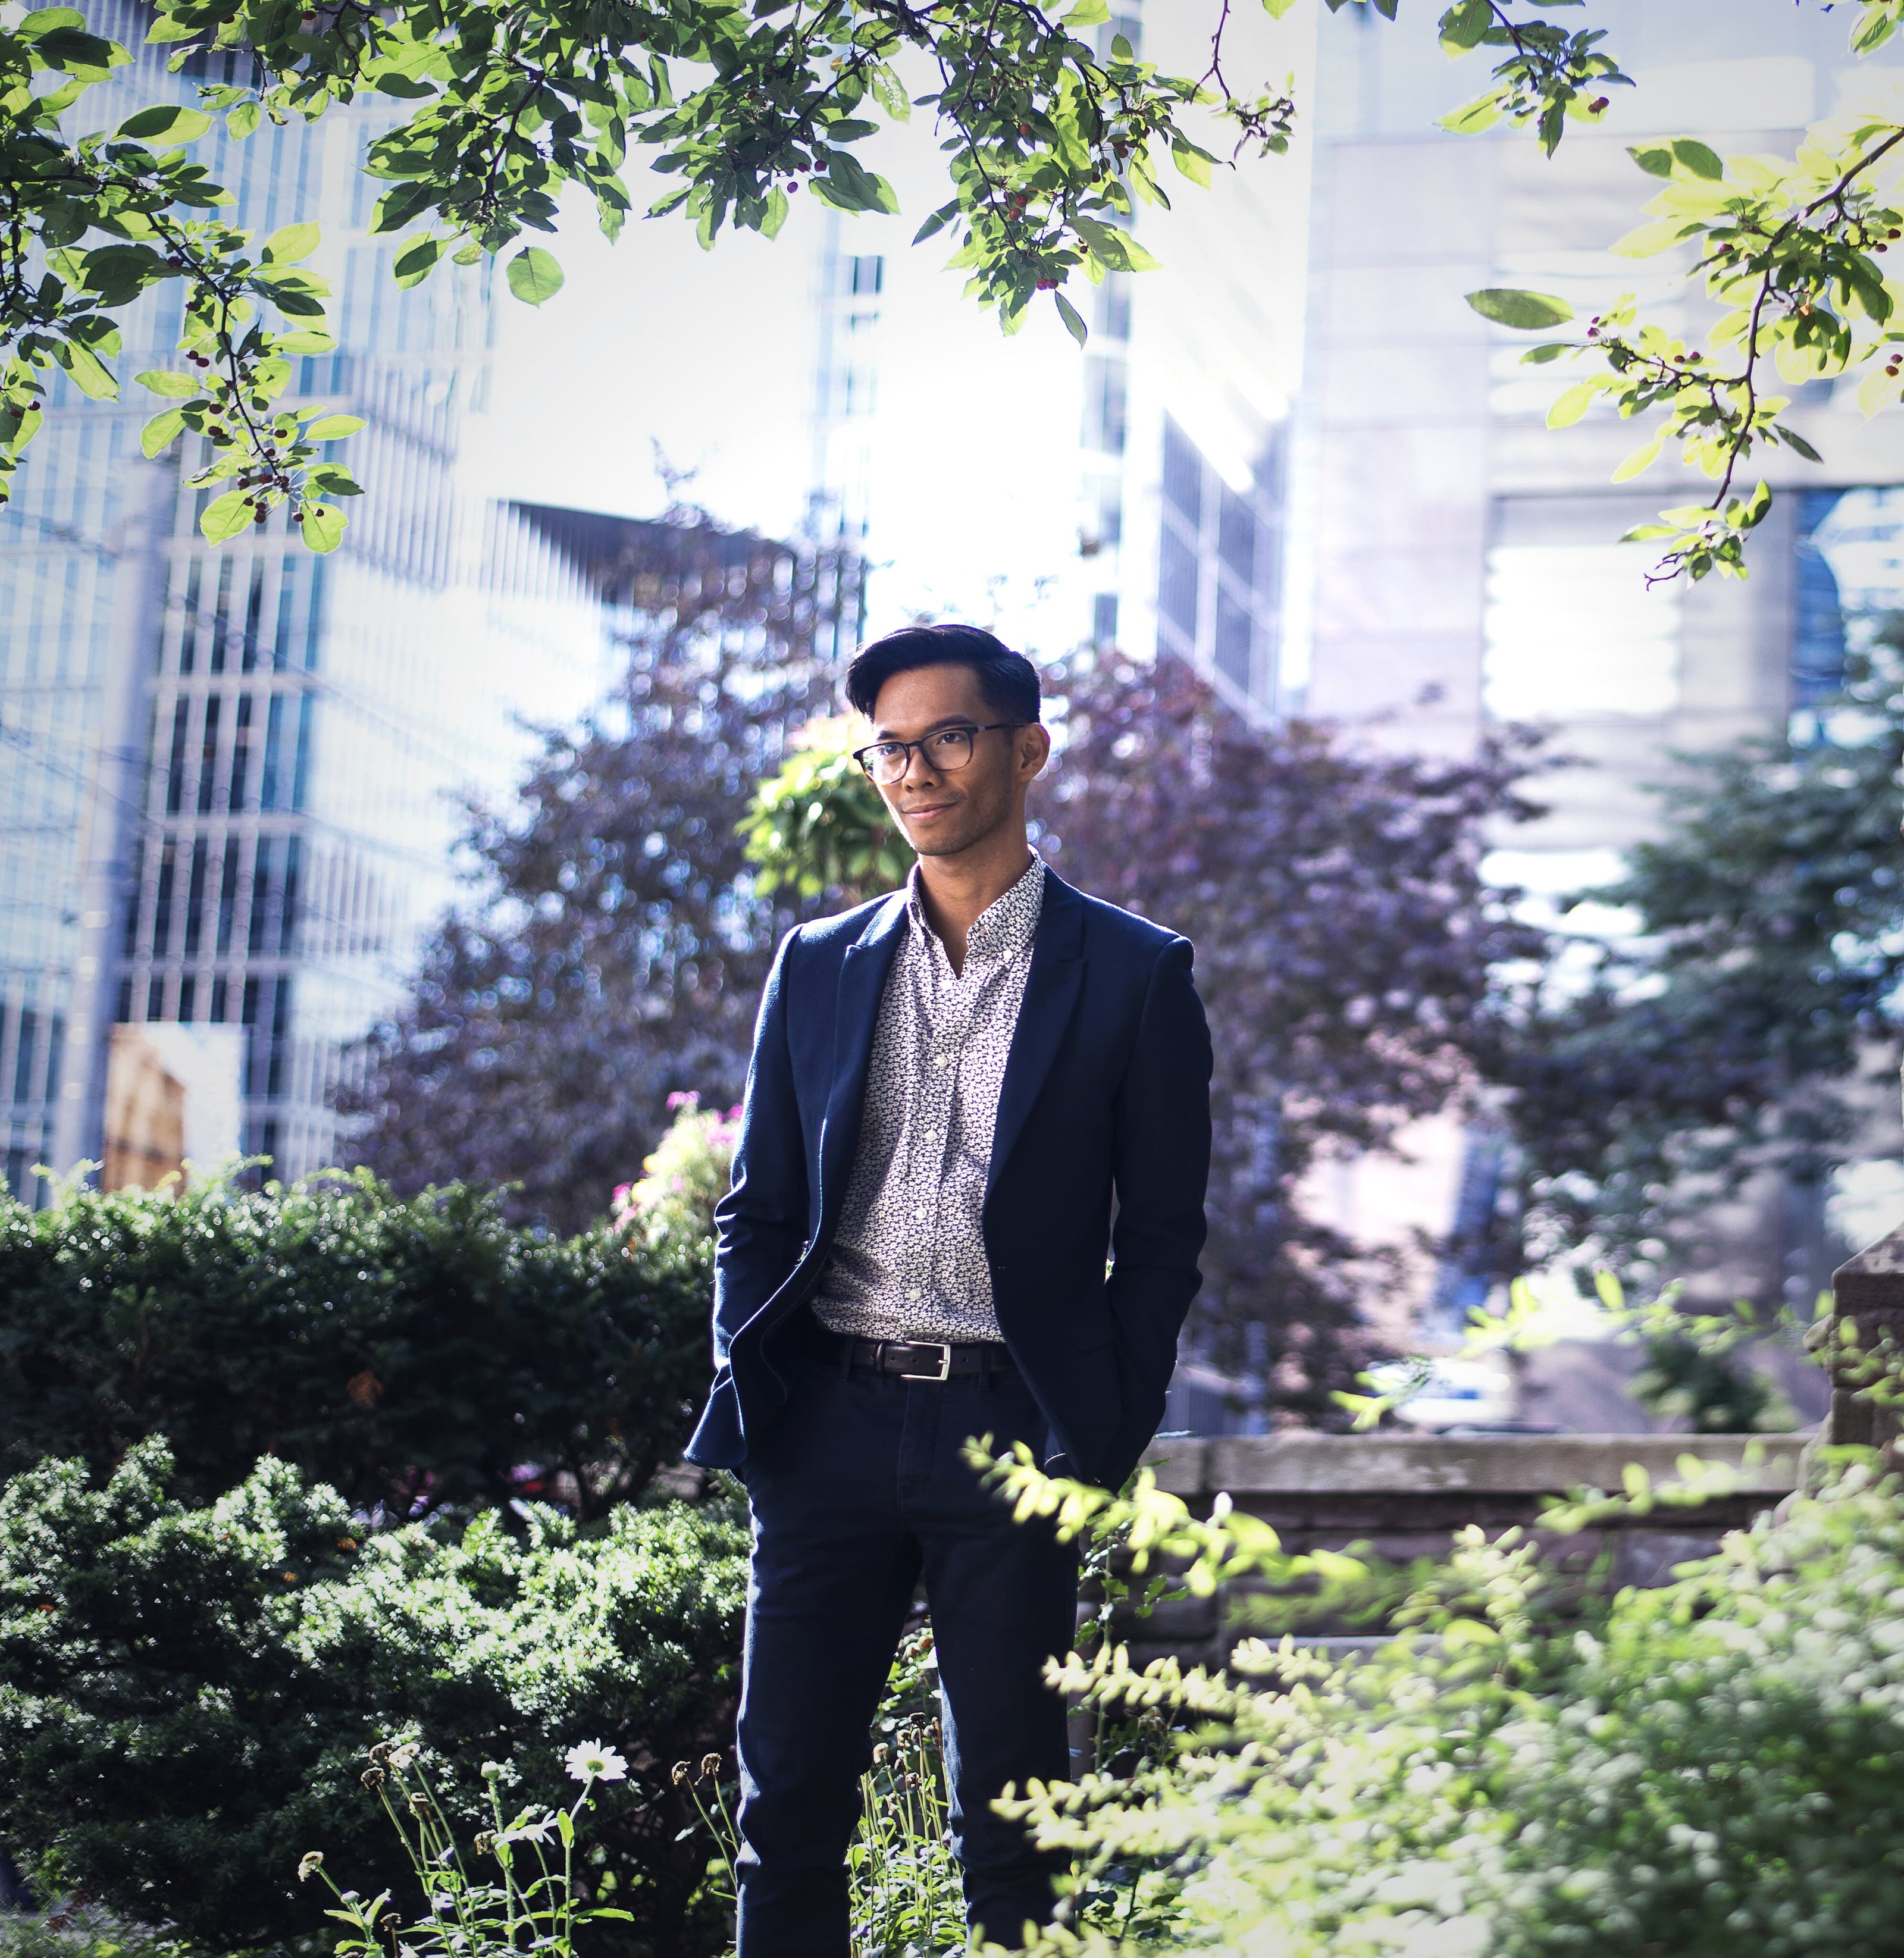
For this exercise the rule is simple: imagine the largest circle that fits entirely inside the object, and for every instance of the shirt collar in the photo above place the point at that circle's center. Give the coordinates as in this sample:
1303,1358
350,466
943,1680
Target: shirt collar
1003,927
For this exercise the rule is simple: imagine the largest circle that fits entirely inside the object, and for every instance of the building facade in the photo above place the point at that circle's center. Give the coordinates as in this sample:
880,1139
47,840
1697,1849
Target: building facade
229,779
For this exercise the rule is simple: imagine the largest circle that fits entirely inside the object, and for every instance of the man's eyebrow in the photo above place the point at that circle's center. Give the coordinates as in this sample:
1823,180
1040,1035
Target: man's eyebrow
944,721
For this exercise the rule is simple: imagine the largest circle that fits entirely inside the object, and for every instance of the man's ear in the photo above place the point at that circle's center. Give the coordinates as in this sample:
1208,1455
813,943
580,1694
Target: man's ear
1034,749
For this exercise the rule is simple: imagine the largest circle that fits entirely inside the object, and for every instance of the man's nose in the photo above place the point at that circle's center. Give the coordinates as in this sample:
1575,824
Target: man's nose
919,772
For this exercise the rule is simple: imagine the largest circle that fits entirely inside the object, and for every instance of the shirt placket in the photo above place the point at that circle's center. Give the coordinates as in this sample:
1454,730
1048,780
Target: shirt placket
955,1026
931,1131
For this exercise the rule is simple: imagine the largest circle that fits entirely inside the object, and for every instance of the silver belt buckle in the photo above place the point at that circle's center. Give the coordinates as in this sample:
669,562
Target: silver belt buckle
944,1361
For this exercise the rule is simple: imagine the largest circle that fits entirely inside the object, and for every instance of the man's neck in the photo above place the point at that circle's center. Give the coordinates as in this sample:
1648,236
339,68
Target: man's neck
954,890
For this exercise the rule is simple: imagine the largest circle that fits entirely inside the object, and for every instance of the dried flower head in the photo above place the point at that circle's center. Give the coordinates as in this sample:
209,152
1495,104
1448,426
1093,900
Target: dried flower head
371,1777
681,1773
403,1759
485,1842
710,1764
308,1864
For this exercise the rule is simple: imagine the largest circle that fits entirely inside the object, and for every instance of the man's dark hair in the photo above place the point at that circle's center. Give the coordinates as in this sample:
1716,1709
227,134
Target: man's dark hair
1009,680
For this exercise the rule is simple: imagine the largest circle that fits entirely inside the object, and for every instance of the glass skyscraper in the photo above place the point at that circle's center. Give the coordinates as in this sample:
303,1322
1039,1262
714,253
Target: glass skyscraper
231,780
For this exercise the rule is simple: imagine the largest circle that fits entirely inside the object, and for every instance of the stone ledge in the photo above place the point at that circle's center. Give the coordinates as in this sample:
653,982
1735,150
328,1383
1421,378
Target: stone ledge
1298,1464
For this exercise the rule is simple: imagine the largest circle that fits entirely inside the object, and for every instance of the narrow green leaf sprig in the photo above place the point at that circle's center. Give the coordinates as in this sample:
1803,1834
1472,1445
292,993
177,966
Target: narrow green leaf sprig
1547,77
1792,253
60,297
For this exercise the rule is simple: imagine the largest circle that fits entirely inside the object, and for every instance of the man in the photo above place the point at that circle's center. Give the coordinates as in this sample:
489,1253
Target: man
949,1088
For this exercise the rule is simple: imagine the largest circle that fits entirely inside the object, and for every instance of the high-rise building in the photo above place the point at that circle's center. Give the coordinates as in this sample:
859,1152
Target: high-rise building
230,778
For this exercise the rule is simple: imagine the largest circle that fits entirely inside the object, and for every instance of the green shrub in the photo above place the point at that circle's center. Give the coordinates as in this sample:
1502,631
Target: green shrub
188,1692
1712,1767
406,1353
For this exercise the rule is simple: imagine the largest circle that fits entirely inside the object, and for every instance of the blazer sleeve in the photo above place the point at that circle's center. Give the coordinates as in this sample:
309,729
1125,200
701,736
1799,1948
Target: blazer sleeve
760,1223
1161,1168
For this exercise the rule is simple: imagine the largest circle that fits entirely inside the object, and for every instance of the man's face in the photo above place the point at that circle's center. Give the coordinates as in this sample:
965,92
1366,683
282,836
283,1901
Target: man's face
942,812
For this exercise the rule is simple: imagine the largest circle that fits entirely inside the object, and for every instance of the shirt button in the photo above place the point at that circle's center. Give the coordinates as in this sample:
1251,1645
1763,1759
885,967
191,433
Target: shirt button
913,1295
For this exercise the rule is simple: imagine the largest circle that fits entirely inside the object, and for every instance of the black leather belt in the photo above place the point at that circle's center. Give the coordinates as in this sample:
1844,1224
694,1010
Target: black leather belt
910,1359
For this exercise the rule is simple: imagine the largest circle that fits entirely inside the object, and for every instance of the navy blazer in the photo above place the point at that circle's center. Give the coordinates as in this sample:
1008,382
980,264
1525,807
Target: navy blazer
1107,1091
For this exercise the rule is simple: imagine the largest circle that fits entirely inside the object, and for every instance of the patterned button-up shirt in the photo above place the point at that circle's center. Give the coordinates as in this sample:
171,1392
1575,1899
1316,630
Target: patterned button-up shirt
908,1259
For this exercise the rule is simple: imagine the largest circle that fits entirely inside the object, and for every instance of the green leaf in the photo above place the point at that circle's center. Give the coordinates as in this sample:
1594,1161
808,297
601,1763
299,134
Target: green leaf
292,245
43,19
1472,117
1527,310
86,372
1695,156
1089,13
161,381
333,428
242,121
1463,26
416,261
1195,163
290,301
334,480
1642,459
889,92
1661,236
308,340
85,57
534,277
225,517
166,126
1792,439
322,524
1571,405
398,206
1655,159
940,218
159,432
1073,319
120,273
1277,8
848,185
1550,350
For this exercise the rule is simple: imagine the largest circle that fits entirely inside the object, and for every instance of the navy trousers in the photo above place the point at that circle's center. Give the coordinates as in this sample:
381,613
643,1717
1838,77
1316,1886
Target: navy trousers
857,1492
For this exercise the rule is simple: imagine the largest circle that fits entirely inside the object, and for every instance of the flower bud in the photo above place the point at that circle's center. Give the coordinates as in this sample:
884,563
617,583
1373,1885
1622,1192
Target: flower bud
311,1861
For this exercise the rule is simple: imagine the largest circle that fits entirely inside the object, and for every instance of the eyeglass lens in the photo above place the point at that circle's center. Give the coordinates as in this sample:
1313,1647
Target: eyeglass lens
951,748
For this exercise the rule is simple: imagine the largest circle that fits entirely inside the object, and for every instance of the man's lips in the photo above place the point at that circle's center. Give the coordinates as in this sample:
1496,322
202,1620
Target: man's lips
925,811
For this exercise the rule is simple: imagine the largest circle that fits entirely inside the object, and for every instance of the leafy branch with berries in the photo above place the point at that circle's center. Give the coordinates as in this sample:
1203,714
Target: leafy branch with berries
60,300
1789,255
1054,134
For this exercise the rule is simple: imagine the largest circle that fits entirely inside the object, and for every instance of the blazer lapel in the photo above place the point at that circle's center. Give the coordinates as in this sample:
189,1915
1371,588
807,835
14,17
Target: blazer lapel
1051,990
863,980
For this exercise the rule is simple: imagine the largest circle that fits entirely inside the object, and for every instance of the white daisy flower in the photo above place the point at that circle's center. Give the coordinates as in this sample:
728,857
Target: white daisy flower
591,1761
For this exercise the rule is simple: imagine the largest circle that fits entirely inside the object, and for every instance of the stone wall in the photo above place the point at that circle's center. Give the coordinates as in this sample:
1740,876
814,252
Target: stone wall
1403,1496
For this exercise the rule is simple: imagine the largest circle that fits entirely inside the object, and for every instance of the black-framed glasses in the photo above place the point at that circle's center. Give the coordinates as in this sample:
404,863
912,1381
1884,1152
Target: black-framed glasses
946,750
